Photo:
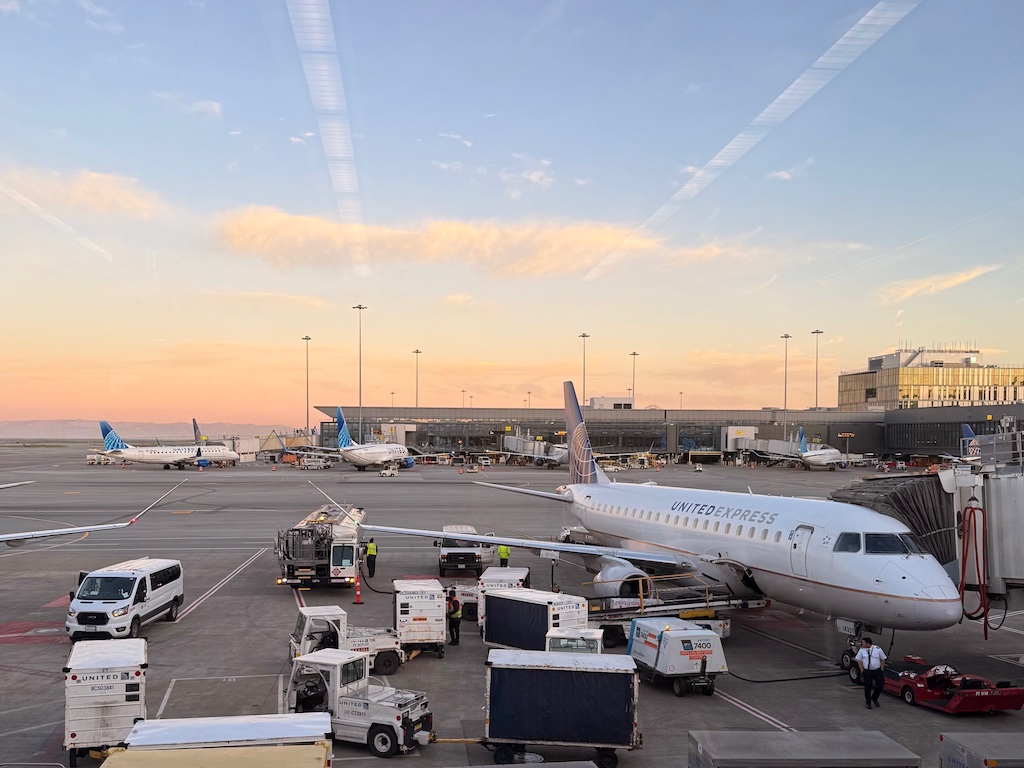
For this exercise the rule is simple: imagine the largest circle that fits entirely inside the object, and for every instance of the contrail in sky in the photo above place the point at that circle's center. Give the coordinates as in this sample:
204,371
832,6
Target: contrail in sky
861,36
314,36
59,224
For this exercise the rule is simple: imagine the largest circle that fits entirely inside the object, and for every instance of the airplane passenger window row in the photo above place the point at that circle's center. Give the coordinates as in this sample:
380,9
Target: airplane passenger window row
670,520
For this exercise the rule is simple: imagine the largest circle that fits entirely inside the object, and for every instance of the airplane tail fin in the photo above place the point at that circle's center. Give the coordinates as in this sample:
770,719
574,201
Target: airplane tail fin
344,436
967,431
198,433
111,440
583,467
803,441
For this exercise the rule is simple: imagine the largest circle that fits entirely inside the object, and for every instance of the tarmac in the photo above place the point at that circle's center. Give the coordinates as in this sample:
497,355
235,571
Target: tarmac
228,650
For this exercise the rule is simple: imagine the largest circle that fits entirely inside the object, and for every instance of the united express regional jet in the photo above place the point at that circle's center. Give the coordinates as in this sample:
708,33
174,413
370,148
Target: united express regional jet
179,456
841,560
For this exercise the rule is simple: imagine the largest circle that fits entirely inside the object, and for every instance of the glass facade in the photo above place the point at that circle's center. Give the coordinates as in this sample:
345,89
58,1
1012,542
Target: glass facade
930,387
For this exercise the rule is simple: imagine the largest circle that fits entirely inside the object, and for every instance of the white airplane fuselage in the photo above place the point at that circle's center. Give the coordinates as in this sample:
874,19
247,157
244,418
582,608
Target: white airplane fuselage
823,457
173,454
785,545
372,454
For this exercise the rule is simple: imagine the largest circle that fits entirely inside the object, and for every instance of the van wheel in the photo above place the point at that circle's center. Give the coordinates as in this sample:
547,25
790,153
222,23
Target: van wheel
679,686
172,614
386,663
440,651
382,741
133,631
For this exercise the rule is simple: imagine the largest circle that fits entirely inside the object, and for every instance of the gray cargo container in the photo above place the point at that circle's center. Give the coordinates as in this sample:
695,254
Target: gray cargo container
979,750
561,699
806,749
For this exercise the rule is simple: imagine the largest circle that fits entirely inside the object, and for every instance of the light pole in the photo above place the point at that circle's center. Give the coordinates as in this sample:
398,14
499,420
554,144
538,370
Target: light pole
360,308
629,392
392,398
307,339
681,393
417,352
816,335
633,355
463,398
785,384
529,399
470,401
584,336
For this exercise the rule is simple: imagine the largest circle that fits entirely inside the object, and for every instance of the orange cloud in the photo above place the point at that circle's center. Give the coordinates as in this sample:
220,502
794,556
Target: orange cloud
930,285
87,190
528,248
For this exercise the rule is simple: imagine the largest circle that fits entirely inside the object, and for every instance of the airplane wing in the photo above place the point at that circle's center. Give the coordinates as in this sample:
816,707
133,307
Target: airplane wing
15,485
584,551
17,539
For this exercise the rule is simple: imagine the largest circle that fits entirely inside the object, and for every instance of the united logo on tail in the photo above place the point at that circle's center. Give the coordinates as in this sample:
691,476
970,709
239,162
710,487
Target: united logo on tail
344,437
582,466
111,440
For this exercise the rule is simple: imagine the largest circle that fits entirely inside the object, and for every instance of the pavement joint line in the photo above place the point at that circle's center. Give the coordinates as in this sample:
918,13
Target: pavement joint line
786,642
210,592
166,698
30,728
760,715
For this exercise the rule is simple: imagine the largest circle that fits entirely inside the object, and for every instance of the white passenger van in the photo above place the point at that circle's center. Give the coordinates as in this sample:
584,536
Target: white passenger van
116,601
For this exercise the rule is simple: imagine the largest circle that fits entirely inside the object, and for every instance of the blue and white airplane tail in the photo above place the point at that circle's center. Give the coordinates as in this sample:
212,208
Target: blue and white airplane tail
344,436
583,467
111,440
198,432
803,441
967,431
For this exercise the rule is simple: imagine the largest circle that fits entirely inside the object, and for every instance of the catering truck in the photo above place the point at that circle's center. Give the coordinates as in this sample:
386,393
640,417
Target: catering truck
522,618
534,698
322,548
687,655
104,694
326,626
387,720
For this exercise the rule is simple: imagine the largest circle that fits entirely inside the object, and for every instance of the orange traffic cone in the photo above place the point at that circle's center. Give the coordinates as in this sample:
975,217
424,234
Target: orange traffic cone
359,593
460,470
273,467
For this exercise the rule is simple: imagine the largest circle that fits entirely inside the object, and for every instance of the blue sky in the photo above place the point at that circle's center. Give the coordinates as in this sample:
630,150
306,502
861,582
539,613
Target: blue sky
167,215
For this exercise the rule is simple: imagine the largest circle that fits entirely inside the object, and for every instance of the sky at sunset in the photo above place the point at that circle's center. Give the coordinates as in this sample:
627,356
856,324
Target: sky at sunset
189,188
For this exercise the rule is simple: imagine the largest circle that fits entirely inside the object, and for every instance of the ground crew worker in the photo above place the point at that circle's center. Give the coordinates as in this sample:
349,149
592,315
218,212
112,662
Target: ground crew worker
503,552
371,558
454,617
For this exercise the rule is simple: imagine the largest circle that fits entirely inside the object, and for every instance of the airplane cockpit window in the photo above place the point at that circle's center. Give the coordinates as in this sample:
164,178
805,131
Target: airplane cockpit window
884,544
847,542
912,544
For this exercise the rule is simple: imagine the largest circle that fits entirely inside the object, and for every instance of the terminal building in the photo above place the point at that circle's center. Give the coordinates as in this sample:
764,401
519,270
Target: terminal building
930,378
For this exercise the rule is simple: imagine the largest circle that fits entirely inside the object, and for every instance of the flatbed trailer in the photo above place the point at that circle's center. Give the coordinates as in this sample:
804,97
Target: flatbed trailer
615,616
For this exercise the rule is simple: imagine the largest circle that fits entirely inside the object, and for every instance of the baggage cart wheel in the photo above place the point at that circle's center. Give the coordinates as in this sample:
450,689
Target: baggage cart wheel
504,755
679,686
709,689
386,663
382,741
72,757
606,758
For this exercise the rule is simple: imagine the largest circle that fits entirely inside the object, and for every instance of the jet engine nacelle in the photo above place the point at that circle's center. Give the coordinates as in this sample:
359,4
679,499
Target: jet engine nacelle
619,578
408,463
203,462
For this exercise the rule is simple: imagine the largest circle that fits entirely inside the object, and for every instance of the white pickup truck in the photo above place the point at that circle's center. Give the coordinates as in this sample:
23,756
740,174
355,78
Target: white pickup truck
389,472
387,720
326,626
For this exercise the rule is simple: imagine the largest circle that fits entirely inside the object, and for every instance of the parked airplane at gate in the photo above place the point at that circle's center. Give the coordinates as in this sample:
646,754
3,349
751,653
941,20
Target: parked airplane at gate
838,559
19,539
179,456
359,455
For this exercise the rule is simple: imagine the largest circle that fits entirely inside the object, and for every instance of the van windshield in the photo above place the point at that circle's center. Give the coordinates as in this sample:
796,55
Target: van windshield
456,544
106,588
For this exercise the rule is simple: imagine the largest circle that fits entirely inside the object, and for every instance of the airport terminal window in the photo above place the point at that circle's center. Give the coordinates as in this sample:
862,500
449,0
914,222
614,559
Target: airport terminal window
847,542
884,544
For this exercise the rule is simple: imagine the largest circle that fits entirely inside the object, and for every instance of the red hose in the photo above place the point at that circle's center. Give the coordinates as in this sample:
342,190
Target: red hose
973,521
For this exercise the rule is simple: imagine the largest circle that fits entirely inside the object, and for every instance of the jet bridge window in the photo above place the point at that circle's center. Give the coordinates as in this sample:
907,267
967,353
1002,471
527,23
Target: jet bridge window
884,544
847,542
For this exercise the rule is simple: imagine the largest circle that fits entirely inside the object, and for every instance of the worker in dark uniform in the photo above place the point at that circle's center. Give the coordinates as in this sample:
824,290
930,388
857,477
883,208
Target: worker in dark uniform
371,558
454,617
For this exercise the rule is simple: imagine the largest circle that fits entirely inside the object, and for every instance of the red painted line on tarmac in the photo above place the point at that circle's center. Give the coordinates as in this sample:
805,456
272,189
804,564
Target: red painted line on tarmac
61,602
18,632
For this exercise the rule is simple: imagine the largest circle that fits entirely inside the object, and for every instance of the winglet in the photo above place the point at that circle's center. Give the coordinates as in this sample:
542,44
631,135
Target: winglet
583,467
111,440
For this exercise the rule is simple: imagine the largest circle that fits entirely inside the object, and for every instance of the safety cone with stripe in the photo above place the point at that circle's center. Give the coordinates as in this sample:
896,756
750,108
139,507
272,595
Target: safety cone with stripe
359,592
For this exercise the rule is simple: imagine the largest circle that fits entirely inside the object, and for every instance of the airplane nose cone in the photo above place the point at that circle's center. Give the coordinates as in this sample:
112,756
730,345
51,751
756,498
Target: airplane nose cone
940,607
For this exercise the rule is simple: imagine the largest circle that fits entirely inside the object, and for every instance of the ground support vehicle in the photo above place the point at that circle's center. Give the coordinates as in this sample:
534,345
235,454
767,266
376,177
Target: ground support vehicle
615,615
322,548
522,618
388,720
420,615
560,699
246,741
494,577
942,687
465,556
687,655
104,694
774,749
981,750
96,459
326,626
389,472
313,462
575,640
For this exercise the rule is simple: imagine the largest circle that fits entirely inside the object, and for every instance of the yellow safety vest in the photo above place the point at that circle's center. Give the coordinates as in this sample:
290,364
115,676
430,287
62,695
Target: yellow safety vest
504,552
371,549
454,614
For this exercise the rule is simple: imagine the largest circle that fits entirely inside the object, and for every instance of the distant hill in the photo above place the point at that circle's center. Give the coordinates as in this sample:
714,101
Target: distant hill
142,431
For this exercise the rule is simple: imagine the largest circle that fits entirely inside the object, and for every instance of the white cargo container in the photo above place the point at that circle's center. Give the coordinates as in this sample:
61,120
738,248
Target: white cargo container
104,693
419,614
522,618
494,577
979,750
681,651
575,640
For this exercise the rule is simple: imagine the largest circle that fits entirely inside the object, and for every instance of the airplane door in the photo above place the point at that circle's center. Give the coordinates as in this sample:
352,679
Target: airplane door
798,549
